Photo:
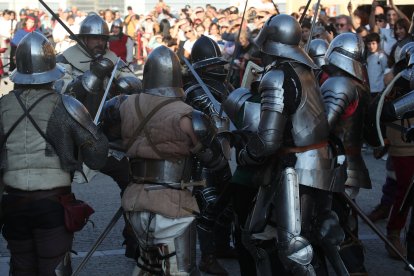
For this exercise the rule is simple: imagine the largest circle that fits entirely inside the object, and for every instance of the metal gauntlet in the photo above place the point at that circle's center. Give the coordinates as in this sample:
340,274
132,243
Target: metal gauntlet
200,101
211,151
92,80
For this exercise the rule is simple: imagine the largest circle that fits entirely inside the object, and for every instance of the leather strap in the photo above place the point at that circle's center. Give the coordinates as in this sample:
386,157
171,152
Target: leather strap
144,121
30,196
13,127
27,114
287,150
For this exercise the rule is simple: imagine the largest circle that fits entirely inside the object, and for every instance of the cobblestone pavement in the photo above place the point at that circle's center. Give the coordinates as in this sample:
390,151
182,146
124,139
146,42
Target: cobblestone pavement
103,195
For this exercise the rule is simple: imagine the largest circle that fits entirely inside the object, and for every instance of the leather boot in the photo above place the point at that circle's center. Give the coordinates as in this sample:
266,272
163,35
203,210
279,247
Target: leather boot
394,237
210,265
381,211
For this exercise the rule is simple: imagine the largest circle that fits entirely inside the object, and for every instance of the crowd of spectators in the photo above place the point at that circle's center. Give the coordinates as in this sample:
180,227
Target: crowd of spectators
180,29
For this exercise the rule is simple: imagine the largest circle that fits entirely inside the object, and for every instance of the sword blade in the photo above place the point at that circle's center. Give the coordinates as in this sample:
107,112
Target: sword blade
374,228
105,95
108,228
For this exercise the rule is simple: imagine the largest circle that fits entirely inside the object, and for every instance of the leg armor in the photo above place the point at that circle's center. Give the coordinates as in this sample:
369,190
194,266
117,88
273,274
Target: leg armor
351,250
321,225
176,258
330,235
294,251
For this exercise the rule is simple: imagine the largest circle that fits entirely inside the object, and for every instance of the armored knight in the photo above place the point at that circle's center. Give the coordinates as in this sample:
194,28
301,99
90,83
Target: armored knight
87,75
396,119
346,96
214,229
88,71
292,139
41,135
161,134
317,50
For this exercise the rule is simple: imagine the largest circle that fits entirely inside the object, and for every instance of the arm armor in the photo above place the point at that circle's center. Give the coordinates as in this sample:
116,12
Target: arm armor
80,114
111,117
234,103
92,80
269,136
210,149
338,93
198,99
401,108
72,130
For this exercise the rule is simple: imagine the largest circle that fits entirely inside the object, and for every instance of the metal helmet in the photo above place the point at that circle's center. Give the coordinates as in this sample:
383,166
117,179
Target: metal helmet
280,36
117,23
93,24
346,52
206,52
162,73
317,51
401,53
36,61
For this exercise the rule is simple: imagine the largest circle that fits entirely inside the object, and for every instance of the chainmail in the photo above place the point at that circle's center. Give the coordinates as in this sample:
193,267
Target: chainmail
68,136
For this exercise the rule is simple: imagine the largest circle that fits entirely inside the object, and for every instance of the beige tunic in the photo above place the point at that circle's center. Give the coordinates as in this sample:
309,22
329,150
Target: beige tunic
166,134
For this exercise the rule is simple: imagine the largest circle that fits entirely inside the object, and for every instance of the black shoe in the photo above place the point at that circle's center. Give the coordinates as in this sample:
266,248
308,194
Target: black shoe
210,265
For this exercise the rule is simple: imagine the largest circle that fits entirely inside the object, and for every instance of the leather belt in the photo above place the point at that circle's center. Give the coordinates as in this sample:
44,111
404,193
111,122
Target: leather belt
30,196
287,150
39,193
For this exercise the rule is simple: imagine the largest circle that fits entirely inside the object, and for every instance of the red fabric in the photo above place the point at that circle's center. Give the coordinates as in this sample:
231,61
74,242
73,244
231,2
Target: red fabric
30,30
1,67
404,169
118,46
139,47
323,78
350,110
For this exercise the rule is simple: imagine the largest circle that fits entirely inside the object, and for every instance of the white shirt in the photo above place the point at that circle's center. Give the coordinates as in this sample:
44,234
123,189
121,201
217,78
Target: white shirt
188,45
376,65
387,39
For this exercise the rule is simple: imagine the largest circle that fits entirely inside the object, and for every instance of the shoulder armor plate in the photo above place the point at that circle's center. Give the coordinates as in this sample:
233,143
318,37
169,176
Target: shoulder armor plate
338,93
235,102
80,114
272,79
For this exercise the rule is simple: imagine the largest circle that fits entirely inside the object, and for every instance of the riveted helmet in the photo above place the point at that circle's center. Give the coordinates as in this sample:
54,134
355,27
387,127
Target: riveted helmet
280,36
36,61
162,73
93,25
346,52
317,50
206,52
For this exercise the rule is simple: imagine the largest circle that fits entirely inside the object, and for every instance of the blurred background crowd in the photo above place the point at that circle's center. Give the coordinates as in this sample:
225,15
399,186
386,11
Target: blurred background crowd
384,25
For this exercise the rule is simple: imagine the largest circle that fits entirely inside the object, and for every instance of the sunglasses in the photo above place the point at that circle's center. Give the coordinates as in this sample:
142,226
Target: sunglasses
379,20
188,31
341,25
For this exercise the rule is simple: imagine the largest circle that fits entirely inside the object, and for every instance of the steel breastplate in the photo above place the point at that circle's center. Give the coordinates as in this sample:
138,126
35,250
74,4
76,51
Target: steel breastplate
161,171
309,123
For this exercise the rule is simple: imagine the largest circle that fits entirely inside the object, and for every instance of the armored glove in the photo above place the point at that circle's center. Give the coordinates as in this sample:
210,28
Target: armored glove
92,80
